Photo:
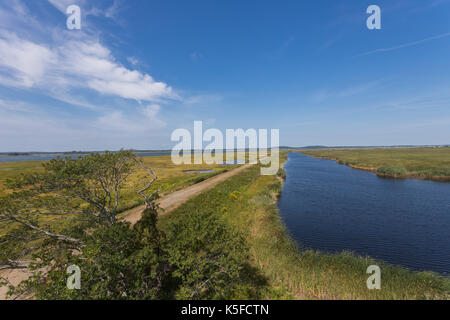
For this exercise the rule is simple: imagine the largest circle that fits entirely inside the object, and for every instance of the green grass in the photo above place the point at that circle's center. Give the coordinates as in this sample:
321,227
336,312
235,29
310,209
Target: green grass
12,169
421,163
171,177
248,203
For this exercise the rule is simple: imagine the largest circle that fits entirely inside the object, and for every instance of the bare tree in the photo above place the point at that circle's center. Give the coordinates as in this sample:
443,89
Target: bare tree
90,186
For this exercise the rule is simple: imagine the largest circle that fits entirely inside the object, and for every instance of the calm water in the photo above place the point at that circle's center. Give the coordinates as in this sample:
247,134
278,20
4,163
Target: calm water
37,157
332,207
200,171
50,156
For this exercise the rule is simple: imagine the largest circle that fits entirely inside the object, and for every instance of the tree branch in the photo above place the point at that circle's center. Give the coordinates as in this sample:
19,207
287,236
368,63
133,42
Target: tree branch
148,200
12,264
52,235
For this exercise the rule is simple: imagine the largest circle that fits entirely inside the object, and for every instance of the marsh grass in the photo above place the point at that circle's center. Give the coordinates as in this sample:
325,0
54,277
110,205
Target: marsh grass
423,163
171,177
290,270
391,171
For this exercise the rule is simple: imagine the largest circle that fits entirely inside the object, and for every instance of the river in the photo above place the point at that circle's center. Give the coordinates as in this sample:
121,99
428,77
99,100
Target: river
332,207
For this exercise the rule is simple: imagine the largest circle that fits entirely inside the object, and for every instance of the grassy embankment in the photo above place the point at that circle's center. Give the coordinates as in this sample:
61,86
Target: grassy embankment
418,163
248,203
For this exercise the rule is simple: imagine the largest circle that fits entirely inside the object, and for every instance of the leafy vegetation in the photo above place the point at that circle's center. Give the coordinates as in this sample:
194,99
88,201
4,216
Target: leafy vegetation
207,255
117,262
201,257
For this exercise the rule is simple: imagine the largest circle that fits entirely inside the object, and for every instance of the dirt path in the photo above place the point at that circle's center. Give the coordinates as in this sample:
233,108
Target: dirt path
14,277
175,199
168,203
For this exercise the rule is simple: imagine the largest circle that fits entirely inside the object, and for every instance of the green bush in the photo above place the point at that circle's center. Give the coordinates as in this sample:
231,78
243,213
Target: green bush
281,173
208,256
117,262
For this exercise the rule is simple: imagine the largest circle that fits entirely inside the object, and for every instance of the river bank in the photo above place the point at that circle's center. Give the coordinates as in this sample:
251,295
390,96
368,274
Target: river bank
331,207
283,270
426,163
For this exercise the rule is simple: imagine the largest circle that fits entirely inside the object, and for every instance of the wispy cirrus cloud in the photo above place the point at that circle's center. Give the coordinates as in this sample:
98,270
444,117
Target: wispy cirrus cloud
23,63
55,61
89,8
26,127
405,45
86,64
146,119
77,68
133,60
436,3
203,99
322,95
358,89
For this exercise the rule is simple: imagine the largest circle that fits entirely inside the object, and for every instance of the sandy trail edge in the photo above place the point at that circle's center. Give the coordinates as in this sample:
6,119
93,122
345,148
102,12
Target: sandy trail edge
167,203
175,199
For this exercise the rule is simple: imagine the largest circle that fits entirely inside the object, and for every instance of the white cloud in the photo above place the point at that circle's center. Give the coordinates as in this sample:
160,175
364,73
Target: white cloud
11,105
87,8
145,120
76,68
133,60
74,63
113,10
23,62
58,61
62,5
203,99
151,110
25,127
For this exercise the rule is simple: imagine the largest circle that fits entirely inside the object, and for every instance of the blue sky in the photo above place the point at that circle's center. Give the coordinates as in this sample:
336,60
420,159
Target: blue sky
137,70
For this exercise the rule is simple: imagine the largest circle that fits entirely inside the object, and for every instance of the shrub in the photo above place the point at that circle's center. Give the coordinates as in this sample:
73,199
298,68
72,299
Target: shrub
281,173
208,256
117,262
